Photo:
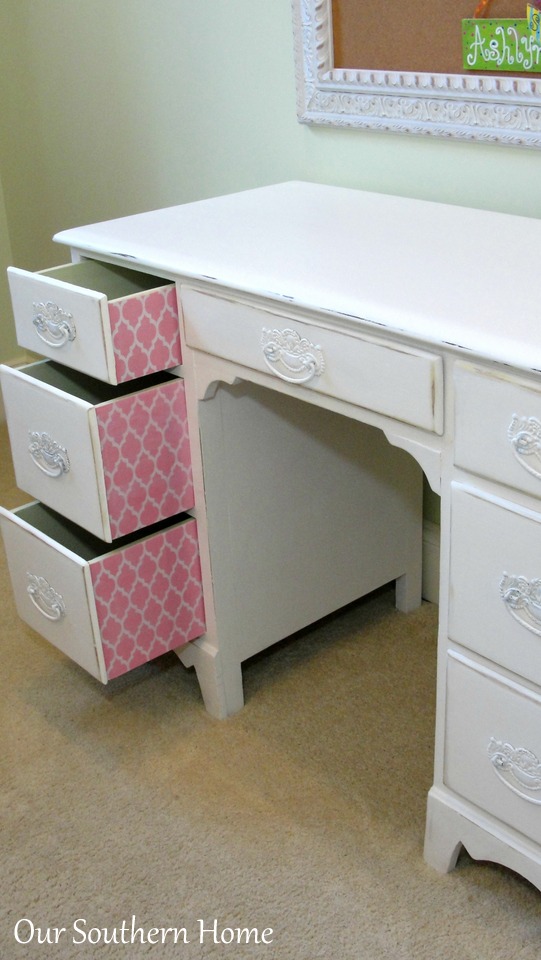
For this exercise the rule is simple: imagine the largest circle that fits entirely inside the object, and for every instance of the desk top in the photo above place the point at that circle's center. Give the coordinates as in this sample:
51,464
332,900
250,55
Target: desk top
439,274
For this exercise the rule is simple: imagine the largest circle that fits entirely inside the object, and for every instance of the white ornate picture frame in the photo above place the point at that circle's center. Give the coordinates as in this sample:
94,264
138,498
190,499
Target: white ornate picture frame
504,109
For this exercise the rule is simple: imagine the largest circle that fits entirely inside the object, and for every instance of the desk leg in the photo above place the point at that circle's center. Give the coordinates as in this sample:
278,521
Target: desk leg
451,825
409,590
443,837
220,680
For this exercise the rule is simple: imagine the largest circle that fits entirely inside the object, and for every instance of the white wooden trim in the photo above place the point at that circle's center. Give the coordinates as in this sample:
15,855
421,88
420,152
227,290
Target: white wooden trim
504,110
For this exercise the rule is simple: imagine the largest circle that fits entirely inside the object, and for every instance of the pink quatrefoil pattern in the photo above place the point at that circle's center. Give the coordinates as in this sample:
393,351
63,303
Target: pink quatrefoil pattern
145,452
149,598
145,333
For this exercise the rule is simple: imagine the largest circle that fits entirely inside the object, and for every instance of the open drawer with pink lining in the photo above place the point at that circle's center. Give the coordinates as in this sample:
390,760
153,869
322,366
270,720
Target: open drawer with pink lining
111,322
109,608
113,459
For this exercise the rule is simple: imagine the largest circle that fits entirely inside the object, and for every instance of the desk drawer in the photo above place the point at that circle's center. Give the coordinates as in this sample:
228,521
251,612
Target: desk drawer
109,609
112,459
498,427
493,745
495,581
110,322
400,383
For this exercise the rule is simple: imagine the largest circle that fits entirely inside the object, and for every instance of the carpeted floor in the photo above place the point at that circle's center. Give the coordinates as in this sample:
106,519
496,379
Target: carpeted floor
304,813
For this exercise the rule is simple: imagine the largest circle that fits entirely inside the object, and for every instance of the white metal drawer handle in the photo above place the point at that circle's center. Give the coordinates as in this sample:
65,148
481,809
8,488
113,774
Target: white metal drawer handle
49,603
291,357
522,599
53,325
524,434
518,768
48,455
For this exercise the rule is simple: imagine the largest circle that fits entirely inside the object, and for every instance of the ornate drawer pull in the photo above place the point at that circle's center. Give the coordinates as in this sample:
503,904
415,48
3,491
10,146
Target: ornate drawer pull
291,357
53,325
522,598
518,768
524,434
49,603
48,455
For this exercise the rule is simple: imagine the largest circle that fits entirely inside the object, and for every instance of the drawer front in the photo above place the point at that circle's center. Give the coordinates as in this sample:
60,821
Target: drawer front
495,581
50,589
110,611
112,460
493,745
498,428
109,322
406,385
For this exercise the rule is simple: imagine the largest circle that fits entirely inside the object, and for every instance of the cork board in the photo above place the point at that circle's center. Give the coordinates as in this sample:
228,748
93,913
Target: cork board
422,37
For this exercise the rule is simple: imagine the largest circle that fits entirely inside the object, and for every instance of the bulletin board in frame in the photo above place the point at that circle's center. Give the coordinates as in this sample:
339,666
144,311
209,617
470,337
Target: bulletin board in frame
406,69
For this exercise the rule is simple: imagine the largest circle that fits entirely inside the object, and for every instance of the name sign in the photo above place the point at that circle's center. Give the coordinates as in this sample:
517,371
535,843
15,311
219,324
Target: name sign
500,45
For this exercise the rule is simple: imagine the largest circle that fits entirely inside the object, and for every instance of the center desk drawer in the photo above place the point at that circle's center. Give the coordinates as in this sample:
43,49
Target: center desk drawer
397,382
108,608
111,322
112,459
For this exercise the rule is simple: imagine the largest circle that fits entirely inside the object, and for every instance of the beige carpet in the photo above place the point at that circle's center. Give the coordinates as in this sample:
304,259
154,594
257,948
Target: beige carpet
304,813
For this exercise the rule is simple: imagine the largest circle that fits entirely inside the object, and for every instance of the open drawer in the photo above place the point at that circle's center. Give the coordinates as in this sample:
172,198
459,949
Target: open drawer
112,459
108,321
108,608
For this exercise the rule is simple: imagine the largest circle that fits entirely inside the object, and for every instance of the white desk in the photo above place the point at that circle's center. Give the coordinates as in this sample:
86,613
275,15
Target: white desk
412,330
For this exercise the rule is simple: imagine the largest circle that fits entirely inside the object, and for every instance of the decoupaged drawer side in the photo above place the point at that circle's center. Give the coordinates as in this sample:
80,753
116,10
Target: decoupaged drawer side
131,334
398,382
144,446
149,598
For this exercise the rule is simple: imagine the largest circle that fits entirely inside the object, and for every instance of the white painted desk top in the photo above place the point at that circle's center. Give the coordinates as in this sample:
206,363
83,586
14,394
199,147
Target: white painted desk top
357,255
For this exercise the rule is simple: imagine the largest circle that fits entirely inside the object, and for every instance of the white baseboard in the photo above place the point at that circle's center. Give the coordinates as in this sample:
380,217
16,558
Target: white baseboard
431,561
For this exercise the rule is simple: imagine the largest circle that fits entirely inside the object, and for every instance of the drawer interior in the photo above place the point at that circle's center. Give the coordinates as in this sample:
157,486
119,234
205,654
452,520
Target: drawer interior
78,541
87,388
113,281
